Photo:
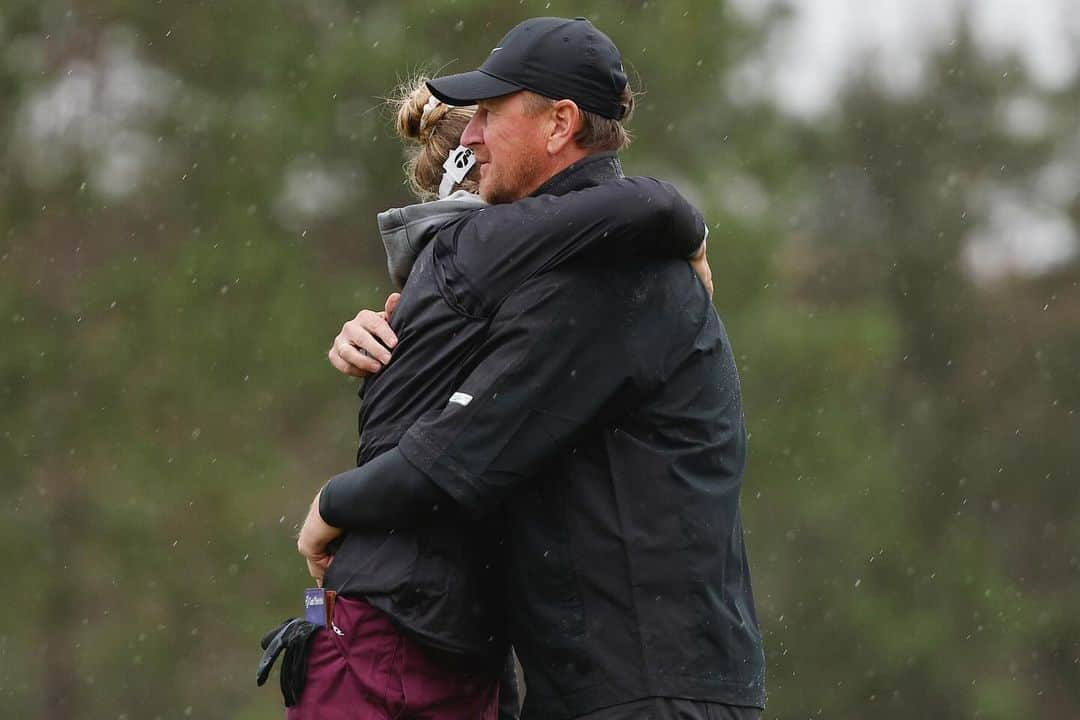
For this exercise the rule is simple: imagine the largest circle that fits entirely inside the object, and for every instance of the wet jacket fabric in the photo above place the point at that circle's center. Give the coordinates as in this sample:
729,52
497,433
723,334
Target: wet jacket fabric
442,582
601,418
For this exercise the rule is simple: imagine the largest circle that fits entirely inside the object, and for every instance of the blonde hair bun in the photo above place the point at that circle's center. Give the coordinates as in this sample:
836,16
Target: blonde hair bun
411,107
435,129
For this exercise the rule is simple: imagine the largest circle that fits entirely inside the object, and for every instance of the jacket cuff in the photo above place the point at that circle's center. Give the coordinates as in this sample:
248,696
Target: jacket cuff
442,472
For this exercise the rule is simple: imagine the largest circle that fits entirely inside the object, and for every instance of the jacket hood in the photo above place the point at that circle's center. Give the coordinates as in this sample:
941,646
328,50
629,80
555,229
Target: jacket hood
405,231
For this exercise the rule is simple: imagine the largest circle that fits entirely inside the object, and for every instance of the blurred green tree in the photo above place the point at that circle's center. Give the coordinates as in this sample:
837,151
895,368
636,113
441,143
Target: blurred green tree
186,217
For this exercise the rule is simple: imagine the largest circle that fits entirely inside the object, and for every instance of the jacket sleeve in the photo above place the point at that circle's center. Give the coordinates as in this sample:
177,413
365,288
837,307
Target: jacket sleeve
500,247
553,362
384,493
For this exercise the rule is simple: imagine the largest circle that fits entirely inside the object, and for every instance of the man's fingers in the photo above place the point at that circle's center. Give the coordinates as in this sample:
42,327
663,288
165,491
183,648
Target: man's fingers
391,303
312,547
316,570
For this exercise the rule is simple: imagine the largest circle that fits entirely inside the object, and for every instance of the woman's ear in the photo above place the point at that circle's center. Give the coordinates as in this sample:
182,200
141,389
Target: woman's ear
565,122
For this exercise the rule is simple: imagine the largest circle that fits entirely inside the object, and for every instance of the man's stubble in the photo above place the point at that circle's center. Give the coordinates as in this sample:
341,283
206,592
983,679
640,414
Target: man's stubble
519,178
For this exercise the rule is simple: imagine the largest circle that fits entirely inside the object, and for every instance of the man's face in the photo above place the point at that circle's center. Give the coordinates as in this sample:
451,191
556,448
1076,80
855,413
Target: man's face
510,147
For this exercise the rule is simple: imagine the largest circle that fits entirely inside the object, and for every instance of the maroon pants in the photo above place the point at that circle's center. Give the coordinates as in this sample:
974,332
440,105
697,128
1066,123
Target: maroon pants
363,668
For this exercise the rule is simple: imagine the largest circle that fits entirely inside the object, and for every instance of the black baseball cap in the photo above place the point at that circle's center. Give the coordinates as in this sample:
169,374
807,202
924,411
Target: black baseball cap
553,57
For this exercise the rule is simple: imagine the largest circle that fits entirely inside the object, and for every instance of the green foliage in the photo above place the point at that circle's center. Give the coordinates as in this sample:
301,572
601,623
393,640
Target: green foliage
167,411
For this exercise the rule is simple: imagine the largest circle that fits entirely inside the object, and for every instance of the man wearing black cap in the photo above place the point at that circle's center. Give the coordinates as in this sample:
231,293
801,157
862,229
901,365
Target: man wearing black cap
546,75
602,417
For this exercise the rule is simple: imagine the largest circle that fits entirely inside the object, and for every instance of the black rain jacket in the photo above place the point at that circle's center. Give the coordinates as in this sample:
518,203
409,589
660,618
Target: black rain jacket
602,417
443,583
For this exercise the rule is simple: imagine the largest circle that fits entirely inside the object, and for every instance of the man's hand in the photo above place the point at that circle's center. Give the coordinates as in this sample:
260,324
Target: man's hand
363,346
315,535
700,262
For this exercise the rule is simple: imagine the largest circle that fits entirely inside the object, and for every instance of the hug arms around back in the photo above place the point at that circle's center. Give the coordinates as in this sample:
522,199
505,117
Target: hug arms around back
491,252
552,363
384,494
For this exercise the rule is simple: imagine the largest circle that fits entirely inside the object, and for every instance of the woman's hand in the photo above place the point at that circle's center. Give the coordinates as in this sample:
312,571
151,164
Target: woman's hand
700,262
363,346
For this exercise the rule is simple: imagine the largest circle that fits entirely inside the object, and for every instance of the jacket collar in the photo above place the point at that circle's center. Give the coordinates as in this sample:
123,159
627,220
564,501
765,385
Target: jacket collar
586,172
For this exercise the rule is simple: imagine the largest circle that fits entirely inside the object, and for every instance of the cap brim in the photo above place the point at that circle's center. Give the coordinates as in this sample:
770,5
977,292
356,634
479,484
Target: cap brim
470,87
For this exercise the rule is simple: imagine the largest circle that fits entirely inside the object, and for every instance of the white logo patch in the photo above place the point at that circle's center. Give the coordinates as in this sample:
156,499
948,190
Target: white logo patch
461,398
459,163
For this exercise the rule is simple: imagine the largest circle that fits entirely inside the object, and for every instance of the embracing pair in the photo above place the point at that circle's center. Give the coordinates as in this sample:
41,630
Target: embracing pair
551,433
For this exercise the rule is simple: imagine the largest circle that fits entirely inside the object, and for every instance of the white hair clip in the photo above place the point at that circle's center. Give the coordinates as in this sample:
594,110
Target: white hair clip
432,103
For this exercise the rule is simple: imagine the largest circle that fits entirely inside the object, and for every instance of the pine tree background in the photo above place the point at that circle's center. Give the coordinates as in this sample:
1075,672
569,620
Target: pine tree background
187,201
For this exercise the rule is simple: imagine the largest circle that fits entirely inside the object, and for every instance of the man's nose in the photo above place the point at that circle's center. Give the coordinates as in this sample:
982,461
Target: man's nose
472,134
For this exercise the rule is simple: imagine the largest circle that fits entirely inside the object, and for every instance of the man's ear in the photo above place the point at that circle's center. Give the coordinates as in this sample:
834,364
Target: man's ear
566,120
